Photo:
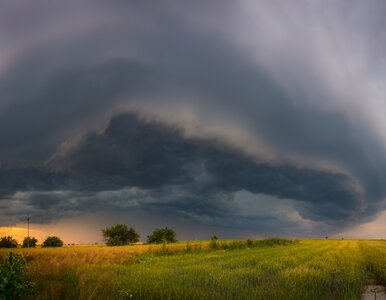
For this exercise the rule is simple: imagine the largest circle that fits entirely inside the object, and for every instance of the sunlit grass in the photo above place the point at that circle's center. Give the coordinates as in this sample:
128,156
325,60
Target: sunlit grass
308,269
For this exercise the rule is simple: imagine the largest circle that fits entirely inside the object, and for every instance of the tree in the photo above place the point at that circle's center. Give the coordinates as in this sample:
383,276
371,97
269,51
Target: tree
8,242
52,241
29,242
162,235
119,235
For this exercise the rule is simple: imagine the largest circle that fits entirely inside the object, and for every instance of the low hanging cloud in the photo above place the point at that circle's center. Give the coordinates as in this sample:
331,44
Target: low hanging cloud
142,163
272,101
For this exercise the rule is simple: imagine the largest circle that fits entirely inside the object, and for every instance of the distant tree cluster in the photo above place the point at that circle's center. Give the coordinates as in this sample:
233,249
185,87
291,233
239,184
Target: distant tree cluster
30,242
162,235
120,235
8,242
52,241
117,235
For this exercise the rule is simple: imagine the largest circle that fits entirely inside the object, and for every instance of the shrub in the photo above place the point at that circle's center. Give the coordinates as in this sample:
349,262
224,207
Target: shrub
120,235
188,248
29,242
52,241
164,250
274,242
213,244
13,278
162,235
233,245
249,243
8,242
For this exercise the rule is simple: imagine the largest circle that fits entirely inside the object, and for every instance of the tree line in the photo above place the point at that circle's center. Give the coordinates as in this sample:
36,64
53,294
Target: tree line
120,234
117,235
30,242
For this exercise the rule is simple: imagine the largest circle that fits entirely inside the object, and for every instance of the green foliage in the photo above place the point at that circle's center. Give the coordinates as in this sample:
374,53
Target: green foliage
214,238
52,241
274,242
145,259
162,235
188,248
13,278
164,250
307,270
233,245
120,235
240,269
29,242
213,244
8,242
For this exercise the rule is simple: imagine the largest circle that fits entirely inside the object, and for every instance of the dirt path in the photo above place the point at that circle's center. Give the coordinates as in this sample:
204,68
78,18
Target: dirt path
374,292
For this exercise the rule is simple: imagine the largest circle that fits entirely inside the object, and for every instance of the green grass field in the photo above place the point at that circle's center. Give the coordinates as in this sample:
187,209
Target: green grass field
307,269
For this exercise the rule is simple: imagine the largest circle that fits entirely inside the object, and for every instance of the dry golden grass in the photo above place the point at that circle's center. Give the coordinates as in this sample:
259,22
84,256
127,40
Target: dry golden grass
309,269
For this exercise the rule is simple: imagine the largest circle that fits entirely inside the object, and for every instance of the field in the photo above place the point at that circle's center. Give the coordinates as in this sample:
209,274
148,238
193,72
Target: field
305,269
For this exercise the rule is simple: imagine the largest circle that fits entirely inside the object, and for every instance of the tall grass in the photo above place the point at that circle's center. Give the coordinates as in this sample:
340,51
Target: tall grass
251,269
13,277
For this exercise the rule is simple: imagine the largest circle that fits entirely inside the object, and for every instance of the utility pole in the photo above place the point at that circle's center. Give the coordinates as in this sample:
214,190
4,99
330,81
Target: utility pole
28,231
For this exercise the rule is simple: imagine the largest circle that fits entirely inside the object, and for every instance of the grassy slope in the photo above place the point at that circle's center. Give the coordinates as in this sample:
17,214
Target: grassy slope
311,269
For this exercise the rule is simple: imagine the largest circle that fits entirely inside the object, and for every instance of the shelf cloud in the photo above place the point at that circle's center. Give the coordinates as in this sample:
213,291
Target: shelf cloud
254,115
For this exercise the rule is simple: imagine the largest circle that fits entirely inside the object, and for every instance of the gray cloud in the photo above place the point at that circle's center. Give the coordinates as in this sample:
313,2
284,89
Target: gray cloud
300,82
143,163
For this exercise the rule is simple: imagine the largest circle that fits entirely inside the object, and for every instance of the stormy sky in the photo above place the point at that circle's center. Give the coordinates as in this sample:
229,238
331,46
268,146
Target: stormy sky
254,117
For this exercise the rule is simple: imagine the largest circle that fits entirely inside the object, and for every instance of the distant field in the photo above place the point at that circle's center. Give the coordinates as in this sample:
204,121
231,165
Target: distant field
308,269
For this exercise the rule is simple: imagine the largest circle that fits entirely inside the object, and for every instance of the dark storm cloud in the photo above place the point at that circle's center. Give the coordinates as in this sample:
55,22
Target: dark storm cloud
32,127
180,174
74,79
299,79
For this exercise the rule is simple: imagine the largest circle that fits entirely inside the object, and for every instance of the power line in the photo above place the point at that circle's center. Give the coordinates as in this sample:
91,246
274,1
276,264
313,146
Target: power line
28,218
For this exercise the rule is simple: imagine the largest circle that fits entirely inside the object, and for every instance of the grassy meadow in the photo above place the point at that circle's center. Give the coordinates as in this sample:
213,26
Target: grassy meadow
305,269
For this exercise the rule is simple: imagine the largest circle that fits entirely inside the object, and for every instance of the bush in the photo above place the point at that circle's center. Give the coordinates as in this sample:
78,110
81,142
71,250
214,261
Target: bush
233,245
120,235
213,245
52,241
249,243
8,242
29,242
162,235
188,248
274,242
13,278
